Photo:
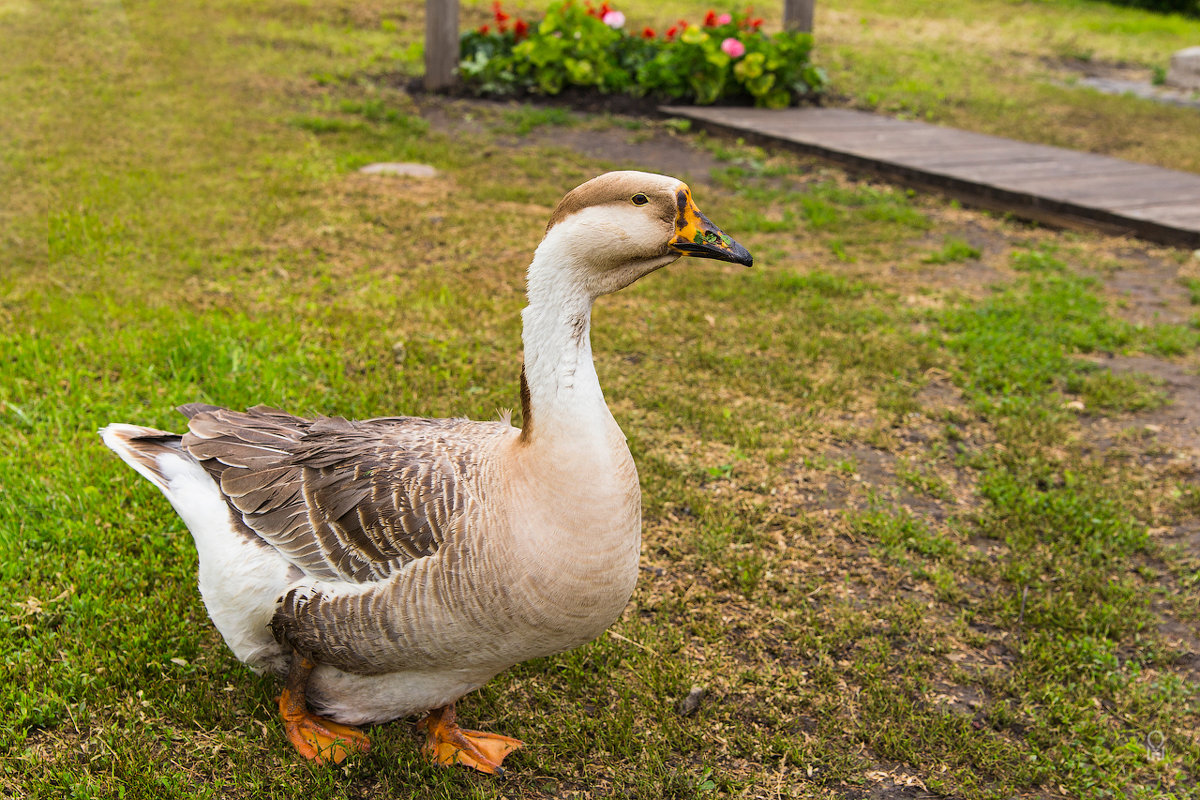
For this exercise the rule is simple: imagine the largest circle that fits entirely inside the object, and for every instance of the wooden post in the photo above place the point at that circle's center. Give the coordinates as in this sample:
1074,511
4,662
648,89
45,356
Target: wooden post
798,15
441,43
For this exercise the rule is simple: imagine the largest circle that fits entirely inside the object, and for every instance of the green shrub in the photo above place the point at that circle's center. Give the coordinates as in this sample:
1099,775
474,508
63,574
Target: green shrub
1189,8
728,58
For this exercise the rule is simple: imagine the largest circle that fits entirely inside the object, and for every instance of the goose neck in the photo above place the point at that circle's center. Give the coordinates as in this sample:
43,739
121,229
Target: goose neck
560,376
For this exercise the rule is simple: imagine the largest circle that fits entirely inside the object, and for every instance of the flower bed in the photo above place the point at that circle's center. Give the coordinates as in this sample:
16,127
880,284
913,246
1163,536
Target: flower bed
727,59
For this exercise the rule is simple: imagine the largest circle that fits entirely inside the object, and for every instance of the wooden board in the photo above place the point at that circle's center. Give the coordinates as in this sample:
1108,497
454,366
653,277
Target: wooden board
1039,182
1041,168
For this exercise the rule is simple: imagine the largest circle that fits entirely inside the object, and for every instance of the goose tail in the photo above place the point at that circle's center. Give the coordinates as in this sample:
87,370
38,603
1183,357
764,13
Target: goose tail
240,575
144,449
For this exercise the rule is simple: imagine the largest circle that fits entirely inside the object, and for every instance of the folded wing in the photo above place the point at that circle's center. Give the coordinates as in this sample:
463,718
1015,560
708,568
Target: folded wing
339,499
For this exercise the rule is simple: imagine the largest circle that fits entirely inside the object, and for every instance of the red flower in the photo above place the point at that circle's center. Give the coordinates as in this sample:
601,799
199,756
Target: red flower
710,19
500,15
756,23
671,31
521,29
604,9
647,33
590,9
483,29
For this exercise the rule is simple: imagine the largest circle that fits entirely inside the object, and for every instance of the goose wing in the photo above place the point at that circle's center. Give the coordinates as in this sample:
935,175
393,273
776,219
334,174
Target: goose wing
339,499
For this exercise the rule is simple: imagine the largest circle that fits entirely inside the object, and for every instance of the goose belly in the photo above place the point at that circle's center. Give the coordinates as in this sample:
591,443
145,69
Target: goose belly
370,699
457,647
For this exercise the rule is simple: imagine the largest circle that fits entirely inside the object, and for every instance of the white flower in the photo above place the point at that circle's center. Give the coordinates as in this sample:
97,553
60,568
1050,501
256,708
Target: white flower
614,19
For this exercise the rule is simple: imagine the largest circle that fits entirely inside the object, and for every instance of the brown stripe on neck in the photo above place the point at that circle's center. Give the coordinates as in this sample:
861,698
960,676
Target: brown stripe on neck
526,409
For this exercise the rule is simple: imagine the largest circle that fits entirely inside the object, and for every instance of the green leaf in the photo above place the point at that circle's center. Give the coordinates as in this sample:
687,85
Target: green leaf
762,85
780,98
719,59
749,67
693,35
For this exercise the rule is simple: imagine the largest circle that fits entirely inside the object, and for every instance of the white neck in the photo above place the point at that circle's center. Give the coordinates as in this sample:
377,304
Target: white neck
569,271
564,391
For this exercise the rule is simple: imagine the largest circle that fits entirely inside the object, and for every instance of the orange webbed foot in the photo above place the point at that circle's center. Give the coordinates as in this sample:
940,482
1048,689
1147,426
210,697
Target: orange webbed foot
316,738
322,740
446,743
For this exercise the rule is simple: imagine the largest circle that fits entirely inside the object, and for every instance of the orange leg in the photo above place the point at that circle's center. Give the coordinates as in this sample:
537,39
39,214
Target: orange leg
316,738
446,743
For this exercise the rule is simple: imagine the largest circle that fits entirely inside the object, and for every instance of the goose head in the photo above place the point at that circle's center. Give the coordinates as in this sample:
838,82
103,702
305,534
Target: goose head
609,232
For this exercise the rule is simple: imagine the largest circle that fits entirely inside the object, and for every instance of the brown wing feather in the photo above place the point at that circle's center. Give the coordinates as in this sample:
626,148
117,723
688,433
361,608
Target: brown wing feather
339,499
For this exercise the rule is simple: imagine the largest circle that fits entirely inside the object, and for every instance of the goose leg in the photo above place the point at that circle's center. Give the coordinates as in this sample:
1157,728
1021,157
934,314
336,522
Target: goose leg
446,743
316,738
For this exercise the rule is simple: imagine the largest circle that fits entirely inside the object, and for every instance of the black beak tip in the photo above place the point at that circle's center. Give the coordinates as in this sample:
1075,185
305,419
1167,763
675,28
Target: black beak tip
729,251
741,256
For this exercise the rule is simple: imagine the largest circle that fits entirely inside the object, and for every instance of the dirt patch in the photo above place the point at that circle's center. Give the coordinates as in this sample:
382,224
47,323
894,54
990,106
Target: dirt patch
1175,426
576,98
626,149
839,479
1147,288
1093,68
624,142
893,782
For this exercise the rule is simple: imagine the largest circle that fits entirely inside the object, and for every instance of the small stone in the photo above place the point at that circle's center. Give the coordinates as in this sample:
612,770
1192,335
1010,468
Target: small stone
691,704
1076,405
400,168
1184,71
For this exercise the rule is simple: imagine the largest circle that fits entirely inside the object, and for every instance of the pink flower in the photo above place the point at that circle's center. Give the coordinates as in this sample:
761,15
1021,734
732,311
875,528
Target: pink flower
724,19
614,19
733,48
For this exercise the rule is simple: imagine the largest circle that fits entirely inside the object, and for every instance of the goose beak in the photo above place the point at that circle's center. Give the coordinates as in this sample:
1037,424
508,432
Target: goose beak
696,235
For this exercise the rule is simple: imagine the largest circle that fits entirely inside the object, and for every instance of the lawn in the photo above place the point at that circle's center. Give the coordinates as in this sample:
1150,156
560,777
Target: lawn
920,489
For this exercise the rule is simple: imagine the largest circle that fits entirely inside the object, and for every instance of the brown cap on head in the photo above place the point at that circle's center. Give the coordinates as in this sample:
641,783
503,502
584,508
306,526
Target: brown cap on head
669,198
612,187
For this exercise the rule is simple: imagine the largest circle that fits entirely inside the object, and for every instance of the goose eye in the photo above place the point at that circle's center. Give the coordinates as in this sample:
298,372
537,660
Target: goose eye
639,199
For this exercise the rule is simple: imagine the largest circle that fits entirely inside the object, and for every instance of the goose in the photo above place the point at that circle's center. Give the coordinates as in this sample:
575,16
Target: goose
387,567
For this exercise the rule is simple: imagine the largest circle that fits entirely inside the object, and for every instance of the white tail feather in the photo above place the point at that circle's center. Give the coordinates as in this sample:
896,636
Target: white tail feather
240,576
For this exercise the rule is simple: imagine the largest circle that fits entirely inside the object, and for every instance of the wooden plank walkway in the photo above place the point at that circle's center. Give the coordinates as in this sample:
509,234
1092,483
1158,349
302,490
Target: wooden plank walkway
1048,184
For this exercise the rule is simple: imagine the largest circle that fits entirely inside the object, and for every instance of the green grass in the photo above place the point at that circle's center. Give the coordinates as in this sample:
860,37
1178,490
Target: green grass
524,119
1193,287
900,524
953,250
